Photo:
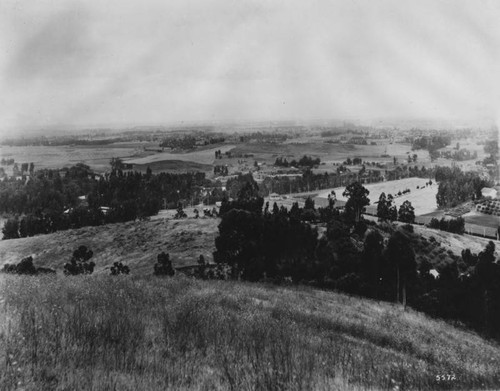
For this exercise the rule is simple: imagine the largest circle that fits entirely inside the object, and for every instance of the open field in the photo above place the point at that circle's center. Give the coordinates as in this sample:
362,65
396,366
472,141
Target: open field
423,199
203,156
174,166
98,157
95,156
135,243
102,332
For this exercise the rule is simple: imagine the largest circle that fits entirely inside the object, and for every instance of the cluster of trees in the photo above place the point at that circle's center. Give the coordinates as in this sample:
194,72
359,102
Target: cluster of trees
183,143
52,201
332,132
353,162
491,147
467,289
215,140
460,155
377,262
412,158
279,245
268,137
456,186
431,142
357,141
386,211
409,171
119,268
456,226
304,161
79,263
221,170
385,208
248,197
7,162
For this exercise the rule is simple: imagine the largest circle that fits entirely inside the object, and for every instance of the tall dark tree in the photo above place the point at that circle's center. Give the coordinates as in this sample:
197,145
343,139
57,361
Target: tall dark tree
116,164
383,207
488,274
372,261
10,229
402,265
406,213
239,243
357,200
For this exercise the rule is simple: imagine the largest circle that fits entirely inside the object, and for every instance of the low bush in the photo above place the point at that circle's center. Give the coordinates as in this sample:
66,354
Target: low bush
79,263
26,266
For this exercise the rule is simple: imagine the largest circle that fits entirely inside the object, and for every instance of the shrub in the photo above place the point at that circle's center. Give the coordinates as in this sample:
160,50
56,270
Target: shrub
119,268
180,212
26,267
79,262
163,266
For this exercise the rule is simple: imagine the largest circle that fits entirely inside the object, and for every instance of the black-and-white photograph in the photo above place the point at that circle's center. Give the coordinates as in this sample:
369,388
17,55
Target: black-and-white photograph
249,195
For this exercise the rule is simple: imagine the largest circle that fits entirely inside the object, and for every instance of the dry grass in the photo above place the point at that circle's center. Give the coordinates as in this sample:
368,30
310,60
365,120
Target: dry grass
135,243
105,333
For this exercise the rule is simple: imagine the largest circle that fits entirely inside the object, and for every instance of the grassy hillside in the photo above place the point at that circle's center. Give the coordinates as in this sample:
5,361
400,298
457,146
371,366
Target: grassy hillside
449,242
135,243
101,332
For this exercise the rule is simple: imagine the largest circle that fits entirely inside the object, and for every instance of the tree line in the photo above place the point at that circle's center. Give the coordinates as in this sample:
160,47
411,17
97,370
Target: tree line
56,200
304,161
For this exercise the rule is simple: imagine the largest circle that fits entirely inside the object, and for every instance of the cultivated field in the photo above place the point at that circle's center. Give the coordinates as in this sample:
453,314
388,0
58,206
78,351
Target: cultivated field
135,243
122,333
423,199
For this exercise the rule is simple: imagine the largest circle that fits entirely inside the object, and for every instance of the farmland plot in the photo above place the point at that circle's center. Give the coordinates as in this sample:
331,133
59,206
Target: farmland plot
422,199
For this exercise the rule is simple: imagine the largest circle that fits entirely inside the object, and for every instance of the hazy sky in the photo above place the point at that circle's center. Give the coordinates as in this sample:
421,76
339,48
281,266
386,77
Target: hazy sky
144,62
